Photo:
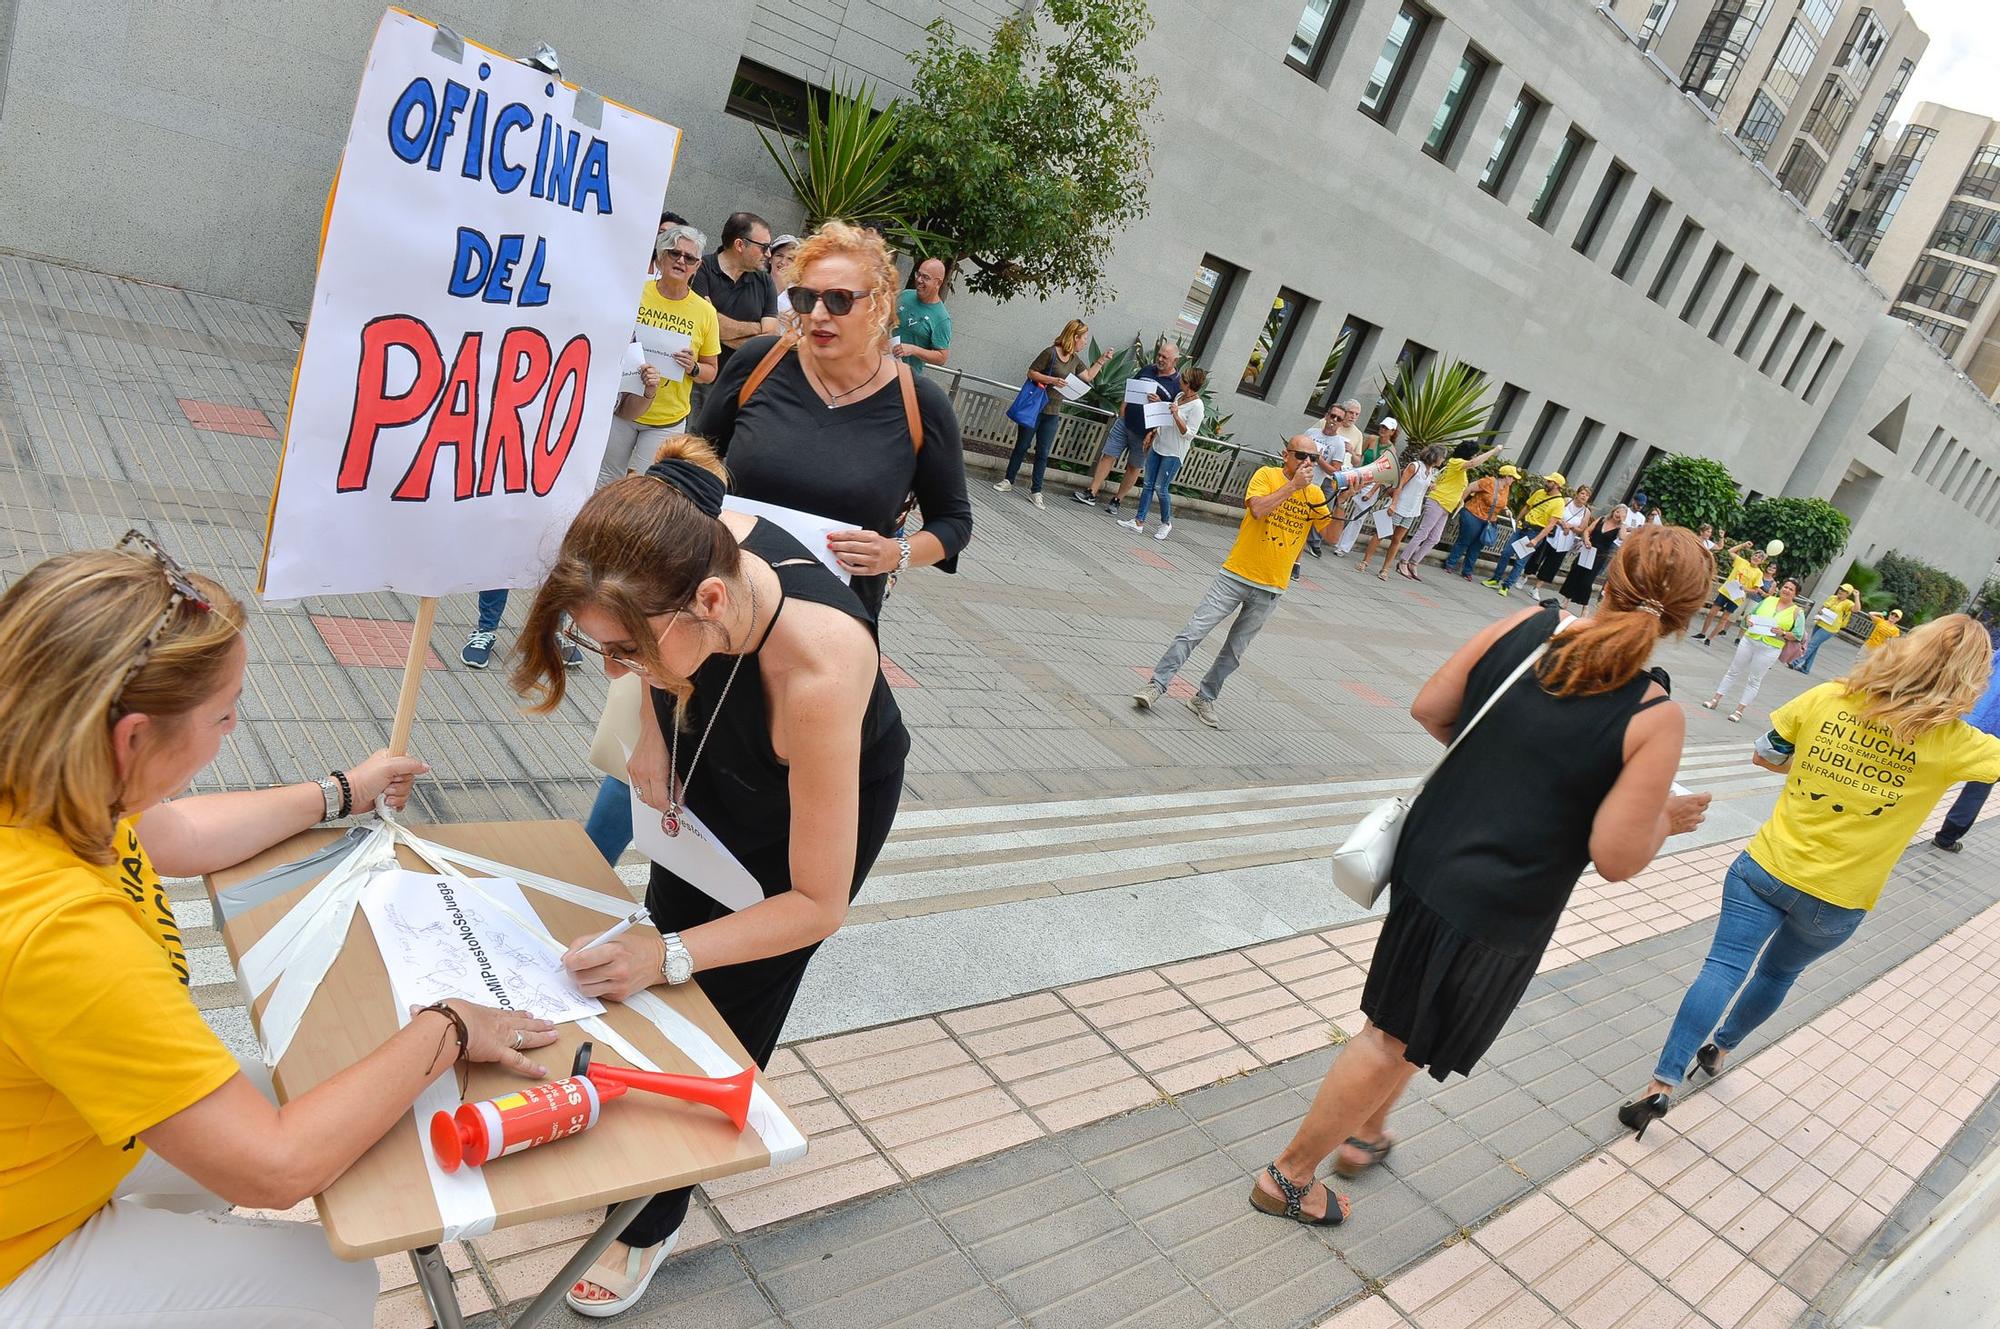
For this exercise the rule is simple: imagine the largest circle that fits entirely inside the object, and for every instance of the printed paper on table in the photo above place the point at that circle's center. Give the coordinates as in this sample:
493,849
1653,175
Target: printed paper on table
660,346
468,324
442,938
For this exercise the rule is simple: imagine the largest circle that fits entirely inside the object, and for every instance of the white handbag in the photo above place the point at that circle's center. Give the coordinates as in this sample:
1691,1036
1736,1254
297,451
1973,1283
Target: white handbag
1361,864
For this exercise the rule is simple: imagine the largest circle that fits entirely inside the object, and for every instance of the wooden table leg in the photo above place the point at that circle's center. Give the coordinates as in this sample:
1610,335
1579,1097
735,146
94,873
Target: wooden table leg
586,1255
435,1279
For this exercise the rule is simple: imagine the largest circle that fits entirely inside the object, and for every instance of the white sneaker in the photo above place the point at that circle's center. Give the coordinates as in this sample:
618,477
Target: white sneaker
1164,531
1132,525
1036,499
1003,485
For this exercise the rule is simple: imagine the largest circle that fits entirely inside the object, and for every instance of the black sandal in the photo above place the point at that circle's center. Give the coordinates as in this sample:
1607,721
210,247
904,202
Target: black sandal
1377,1150
1289,1207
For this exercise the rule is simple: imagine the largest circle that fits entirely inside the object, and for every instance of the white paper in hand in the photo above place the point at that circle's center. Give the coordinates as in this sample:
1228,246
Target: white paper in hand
1072,388
1588,558
1383,524
628,375
695,856
1141,389
661,346
1159,415
442,938
808,528
1520,547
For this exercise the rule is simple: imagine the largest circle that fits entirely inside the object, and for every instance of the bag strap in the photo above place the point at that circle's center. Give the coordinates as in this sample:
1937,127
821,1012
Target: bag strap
911,416
779,350
1480,714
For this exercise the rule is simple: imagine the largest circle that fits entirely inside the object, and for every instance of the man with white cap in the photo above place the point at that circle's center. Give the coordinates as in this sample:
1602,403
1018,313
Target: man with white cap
1484,498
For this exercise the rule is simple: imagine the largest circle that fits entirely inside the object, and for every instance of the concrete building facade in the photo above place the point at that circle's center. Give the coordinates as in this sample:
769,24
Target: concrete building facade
1336,185
1928,231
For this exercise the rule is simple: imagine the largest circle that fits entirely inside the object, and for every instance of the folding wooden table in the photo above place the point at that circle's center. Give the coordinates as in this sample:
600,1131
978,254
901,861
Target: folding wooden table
642,1145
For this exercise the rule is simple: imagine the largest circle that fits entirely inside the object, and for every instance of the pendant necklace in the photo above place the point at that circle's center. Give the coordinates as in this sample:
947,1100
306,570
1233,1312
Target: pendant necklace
670,820
833,398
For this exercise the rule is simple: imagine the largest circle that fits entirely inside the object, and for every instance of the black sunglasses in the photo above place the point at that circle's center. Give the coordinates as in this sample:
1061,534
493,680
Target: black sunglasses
839,303
676,256
182,591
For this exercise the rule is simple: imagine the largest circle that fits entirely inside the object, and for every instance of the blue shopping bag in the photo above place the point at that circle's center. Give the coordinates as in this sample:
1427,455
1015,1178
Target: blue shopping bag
1028,403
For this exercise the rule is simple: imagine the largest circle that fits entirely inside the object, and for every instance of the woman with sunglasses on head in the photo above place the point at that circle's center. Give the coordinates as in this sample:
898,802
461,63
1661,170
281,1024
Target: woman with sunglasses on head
1865,759
827,423
795,767
667,302
127,1130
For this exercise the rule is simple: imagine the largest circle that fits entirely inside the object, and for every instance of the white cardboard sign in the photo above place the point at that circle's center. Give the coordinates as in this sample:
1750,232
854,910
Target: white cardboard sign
472,310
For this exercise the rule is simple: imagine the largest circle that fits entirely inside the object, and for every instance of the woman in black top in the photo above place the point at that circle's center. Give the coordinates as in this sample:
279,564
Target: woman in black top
795,768
1475,895
1601,538
826,431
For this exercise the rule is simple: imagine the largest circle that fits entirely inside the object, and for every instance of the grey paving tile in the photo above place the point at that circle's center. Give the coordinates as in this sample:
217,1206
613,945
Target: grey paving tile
705,1287
1092,1265
1279,1281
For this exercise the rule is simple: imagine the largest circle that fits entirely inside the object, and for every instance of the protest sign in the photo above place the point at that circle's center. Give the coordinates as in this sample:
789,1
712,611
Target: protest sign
469,324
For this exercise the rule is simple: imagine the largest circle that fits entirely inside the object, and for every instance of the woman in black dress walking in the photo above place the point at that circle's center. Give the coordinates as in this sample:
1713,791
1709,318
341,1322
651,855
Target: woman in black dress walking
796,768
1474,900
1600,539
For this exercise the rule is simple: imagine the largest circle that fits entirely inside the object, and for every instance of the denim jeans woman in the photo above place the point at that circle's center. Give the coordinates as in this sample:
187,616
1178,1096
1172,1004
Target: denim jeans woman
1160,472
1043,436
1465,550
1819,636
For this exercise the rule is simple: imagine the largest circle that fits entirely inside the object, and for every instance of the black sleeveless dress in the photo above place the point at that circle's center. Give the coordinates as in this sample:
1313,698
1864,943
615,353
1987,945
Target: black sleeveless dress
1489,854
742,793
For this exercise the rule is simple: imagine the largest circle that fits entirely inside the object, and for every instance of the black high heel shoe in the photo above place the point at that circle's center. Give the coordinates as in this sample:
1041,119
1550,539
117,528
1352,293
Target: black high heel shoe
1640,1113
1708,1056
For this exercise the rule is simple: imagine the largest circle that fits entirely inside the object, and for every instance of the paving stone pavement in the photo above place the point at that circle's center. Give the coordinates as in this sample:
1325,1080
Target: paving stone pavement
1142,1219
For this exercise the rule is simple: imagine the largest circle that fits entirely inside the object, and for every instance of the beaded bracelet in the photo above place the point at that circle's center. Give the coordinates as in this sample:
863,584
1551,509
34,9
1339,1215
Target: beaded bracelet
346,793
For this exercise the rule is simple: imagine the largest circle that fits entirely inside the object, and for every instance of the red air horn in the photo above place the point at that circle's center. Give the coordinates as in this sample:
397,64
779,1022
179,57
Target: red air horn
495,1127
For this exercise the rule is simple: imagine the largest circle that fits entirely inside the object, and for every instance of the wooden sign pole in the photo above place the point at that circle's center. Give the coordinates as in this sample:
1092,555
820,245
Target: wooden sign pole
413,675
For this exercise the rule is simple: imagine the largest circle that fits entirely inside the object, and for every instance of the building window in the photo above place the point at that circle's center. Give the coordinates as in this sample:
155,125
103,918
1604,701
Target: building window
1819,13
1314,35
1732,302
1863,47
1349,349
1414,360
1609,190
766,97
1716,258
1800,170
1670,267
1789,326
1864,149
1392,66
1948,287
1804,357
1620,446
1729,32
1200,310
1968,230
1273,340
1945,336
1887,194
1640,236
1657,15
1545,424
1760,125
1507,148
1586,436
1759,320
1830,112
1500,420
1788,67
1557,179
1982,177
1826,364
1450,117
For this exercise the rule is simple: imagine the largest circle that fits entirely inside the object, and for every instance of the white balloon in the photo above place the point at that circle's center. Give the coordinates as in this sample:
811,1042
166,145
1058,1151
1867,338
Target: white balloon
1775,548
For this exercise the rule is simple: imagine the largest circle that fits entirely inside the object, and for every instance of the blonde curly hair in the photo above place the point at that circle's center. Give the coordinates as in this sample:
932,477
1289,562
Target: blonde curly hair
839,239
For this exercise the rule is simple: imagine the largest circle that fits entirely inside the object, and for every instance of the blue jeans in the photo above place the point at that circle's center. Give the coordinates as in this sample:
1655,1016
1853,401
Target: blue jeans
492,604
1471,534
1507,570
1160,472
1044,436
1756,908
609,824
1819,636
1963,813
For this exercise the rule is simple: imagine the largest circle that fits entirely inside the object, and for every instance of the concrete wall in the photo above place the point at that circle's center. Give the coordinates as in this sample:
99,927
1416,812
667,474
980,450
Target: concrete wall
211,131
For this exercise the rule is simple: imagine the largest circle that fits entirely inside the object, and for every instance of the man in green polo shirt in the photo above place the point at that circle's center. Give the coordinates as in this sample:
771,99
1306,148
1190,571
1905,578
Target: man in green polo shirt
922,322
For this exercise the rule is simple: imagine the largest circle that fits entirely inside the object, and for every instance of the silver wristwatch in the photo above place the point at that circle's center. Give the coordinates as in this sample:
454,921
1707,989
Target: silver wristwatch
330,791
903,562
678,966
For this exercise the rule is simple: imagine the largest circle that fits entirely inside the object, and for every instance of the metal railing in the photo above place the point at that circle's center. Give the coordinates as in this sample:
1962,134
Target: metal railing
1215,470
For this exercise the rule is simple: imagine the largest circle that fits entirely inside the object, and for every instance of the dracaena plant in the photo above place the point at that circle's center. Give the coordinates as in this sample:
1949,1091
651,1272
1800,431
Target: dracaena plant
1447,405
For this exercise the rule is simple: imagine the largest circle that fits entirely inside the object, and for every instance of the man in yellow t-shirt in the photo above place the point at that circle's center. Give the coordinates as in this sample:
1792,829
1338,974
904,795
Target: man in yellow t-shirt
1280,506
1544,505
1887,627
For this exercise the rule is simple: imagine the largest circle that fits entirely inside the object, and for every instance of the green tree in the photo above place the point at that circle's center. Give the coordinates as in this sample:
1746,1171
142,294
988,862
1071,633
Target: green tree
1028,155
1921,591
1692,490
1814,532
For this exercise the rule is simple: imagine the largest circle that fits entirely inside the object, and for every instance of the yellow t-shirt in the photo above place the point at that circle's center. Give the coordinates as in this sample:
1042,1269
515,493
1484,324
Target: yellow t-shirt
99,1040
1855,796
1841,610
1883,631
1266,550
1745,576
1543,508
693,315
1449,490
